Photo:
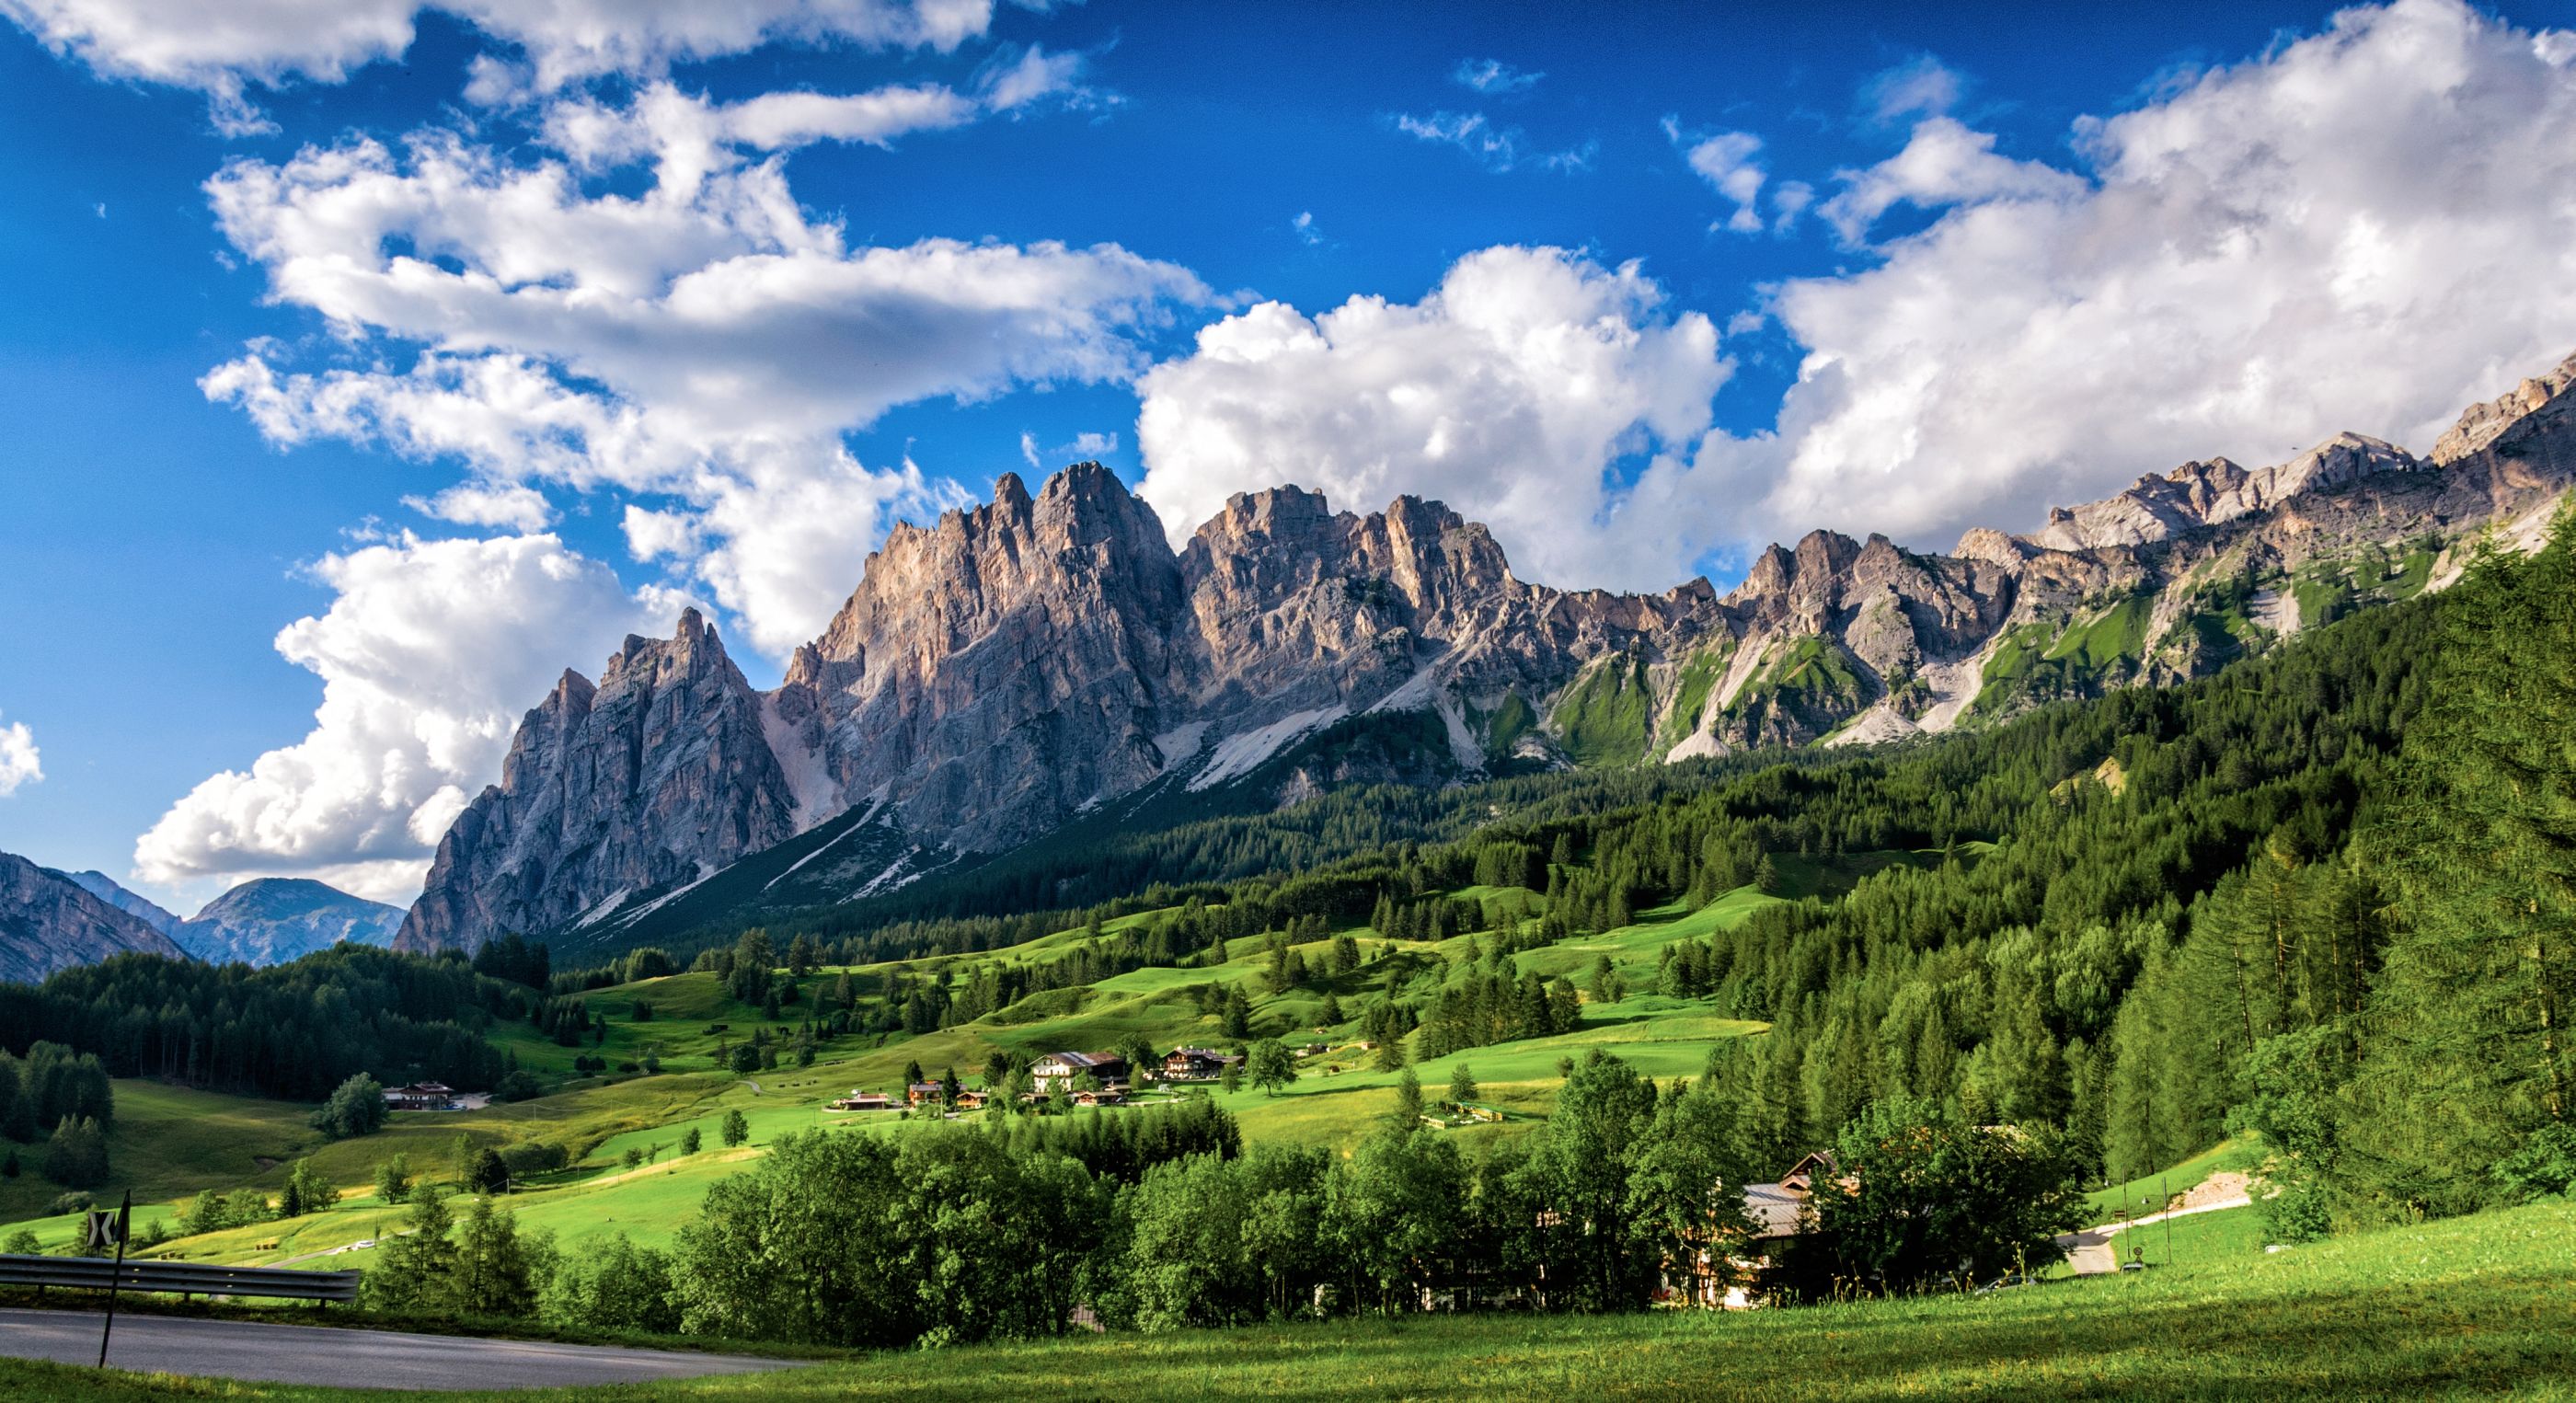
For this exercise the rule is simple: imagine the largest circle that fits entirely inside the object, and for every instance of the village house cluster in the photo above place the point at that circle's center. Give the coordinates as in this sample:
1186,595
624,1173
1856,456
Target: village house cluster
1086,1078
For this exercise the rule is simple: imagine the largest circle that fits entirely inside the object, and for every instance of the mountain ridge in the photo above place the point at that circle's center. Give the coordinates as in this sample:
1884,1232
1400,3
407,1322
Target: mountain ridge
1019,663
50,922
272,920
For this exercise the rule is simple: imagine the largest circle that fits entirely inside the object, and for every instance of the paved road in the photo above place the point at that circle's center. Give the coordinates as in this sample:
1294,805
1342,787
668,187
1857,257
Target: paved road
306,1354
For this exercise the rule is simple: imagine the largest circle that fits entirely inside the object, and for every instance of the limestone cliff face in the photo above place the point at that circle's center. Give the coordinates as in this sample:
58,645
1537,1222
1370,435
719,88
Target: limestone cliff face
1009,667
995,672
658,775
48,922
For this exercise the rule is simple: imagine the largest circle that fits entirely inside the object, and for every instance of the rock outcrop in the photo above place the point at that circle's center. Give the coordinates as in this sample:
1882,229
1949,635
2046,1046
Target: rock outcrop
1016,665
657,776
272,920
49,922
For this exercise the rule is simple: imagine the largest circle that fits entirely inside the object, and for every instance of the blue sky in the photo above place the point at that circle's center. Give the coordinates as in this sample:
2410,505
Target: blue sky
364,365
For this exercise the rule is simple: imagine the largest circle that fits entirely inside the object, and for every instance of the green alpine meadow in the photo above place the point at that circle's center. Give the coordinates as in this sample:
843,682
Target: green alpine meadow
945,699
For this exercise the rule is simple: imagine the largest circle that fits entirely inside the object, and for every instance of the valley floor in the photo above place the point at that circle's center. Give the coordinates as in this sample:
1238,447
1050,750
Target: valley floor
2471,1308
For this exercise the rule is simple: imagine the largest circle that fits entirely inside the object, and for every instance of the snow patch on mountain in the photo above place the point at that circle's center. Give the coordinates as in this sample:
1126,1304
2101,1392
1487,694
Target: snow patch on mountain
1237,756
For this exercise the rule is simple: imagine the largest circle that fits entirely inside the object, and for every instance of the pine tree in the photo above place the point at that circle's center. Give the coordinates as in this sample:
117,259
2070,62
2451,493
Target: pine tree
1407,1111
490,1275
415,1269
2470,1053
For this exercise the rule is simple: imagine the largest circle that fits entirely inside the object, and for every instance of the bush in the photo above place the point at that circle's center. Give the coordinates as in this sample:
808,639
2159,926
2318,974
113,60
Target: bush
534,1157
613,1285
69,1203
2545,1165
356,1107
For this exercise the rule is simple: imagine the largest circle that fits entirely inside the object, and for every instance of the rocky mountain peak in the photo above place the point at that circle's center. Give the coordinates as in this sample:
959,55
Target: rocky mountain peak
270,920
2482,424
1804,581
660,774
1025,660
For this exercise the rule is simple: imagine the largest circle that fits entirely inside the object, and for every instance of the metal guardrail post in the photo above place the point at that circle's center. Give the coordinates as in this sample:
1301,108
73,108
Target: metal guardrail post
101,1225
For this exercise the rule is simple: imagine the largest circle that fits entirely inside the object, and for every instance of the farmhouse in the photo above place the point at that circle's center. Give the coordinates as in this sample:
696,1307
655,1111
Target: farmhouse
921,1093
420,1096
1197,1064
1106,1096
864,1101
1779,1212
972,1100
1061,1068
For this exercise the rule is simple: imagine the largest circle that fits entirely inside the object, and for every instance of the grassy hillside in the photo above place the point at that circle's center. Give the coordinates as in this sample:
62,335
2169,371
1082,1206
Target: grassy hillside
169,1140
2471,1308
170,1143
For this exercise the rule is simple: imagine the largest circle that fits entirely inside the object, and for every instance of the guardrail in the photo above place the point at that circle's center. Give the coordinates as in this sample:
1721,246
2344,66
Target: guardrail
179,1278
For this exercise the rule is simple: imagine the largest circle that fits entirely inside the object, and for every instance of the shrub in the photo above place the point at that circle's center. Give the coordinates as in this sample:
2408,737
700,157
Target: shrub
613,1285
356,1107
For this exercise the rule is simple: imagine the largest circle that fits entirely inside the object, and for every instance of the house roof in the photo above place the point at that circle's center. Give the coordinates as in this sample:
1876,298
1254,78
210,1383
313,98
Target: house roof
1774,1208
1083,1059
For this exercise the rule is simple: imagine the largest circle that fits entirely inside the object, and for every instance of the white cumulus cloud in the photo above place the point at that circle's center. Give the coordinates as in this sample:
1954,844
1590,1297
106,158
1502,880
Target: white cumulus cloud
703,341
220,48
20,765
1509,392
1726,161
428,655
2364,229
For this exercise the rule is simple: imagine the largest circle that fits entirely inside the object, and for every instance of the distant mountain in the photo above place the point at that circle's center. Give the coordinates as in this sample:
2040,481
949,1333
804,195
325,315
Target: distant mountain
50,922
1045,657
100,885
276,919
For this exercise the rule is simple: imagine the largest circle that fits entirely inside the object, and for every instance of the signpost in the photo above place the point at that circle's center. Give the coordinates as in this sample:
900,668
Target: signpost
106,1228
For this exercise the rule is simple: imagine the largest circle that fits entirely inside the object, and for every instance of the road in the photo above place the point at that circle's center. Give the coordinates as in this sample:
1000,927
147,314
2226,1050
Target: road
307,1354
2092,1254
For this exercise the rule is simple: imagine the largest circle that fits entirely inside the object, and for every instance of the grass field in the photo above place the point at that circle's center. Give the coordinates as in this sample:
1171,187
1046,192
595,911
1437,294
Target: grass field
169,1143
2472,1308
2147,1192
166,1141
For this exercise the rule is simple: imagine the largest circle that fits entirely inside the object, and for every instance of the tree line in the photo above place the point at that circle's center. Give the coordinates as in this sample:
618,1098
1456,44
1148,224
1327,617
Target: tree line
1165,1220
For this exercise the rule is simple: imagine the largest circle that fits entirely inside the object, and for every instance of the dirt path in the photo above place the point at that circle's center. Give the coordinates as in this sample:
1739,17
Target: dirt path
2091,1252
